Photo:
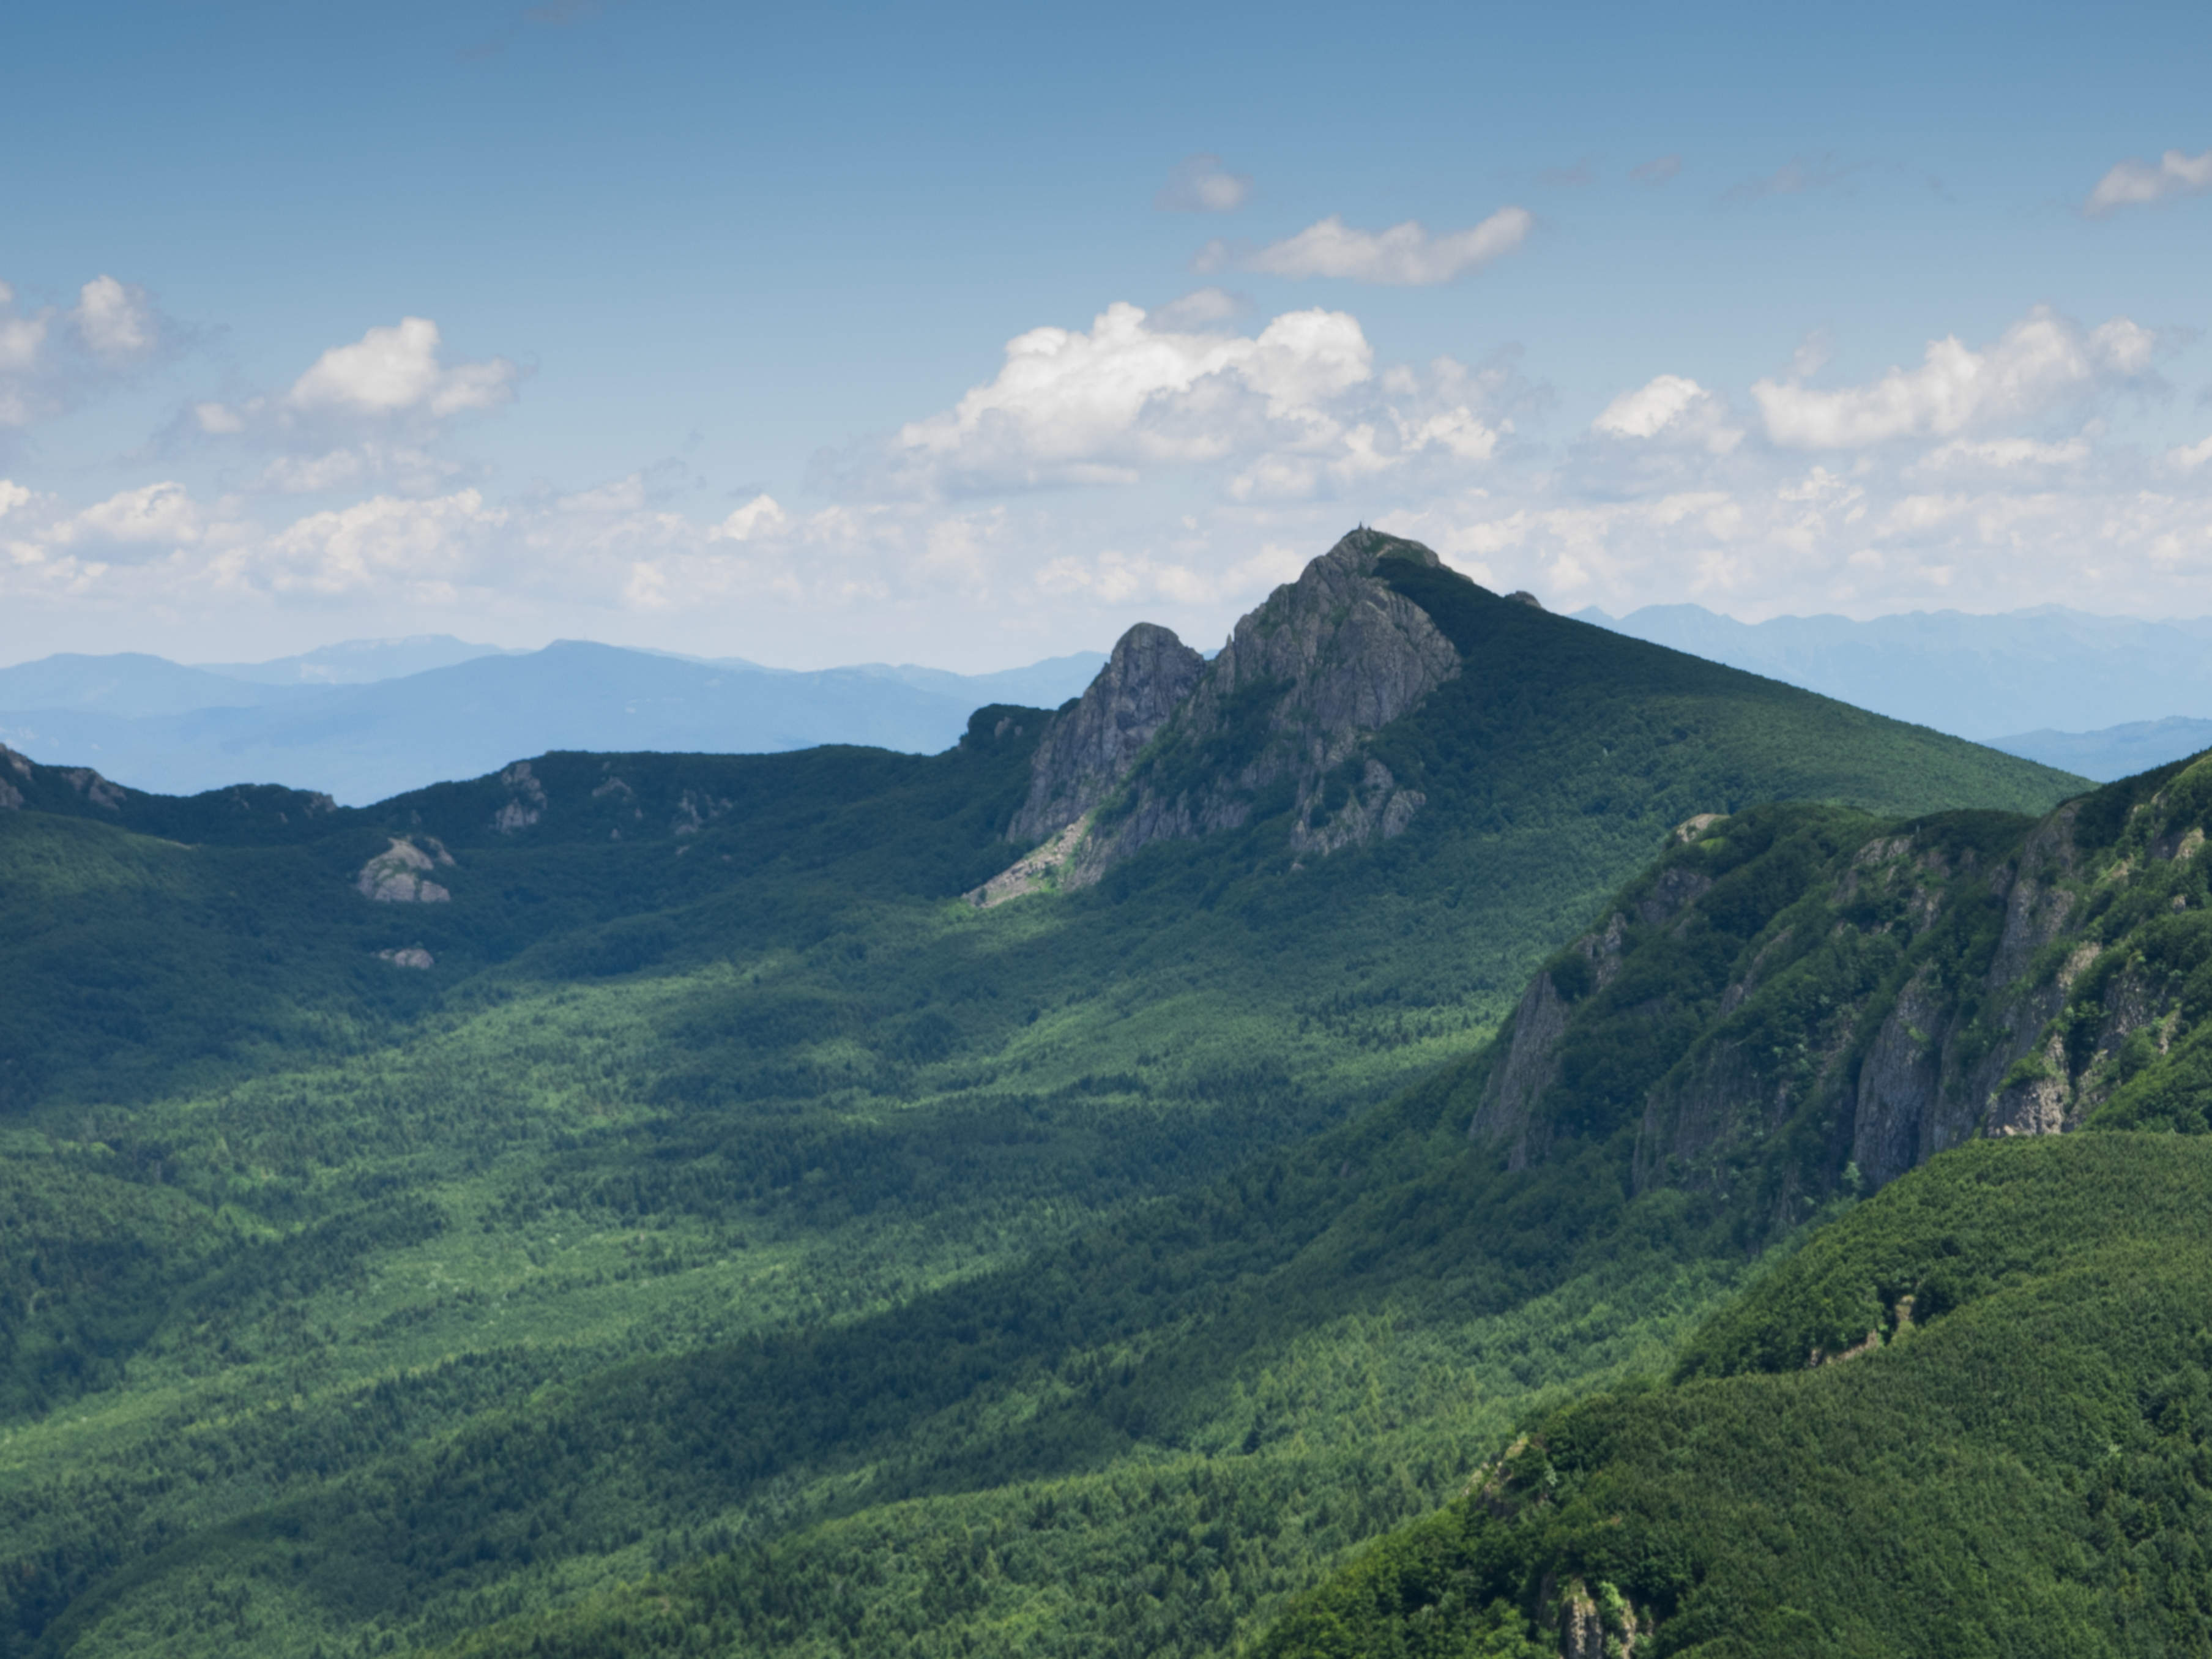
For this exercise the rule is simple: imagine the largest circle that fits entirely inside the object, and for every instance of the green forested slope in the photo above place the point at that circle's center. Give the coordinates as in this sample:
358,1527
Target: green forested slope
1963,1420
730,1191
2020,1468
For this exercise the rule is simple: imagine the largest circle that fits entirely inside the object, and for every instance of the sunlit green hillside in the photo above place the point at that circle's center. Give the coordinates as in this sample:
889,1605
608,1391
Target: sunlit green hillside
2018,1465
729,1192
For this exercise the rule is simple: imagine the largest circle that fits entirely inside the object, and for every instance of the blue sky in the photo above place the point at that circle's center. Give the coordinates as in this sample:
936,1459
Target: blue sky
690,326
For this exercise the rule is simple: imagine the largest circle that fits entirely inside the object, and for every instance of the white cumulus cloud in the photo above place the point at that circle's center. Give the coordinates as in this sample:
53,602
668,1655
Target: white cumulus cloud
2189,458
115,321
761,516
1075,406
392,371
1293,411
2135,182
163,513
1405,256
429,548
1673,406
2040,361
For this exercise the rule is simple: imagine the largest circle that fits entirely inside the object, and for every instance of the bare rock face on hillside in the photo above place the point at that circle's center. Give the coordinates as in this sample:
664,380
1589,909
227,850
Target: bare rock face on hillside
526,799
1166,746
1087,751
11,798
1304,683
2050,974
94,788
400,874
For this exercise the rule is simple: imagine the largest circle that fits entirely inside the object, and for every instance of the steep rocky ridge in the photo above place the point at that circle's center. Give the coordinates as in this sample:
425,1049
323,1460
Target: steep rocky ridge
1804,999
1088,749
1382,691
1165,745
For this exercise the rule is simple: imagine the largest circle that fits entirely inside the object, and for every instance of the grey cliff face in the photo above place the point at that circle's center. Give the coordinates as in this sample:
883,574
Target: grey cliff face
1087,751
1507,1111
2023,1023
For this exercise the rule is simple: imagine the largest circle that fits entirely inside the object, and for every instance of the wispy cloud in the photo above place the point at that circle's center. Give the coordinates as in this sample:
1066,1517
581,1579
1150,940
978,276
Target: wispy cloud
53,358
1794,177
1201,184
1405,256
2134,183
1656,171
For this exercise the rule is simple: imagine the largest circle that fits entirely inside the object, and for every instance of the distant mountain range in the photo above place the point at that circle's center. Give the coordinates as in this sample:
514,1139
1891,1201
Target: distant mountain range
371,719
2103,697
2117,751
2100,696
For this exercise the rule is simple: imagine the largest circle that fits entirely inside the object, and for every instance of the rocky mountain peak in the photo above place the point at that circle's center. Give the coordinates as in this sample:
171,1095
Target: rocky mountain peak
1088,749
1350,653
1166,745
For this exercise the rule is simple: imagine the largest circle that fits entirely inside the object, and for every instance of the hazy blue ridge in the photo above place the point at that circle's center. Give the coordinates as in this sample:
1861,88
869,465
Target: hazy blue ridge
2117,751
1976,677
359,662
156,725
127,685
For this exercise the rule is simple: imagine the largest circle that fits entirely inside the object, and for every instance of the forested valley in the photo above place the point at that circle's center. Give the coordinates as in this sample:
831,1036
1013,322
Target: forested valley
1456,1135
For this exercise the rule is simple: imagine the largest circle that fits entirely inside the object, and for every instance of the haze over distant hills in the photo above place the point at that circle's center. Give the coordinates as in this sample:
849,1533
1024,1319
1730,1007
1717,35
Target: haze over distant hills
2100,696
2049,684
372,718
358,662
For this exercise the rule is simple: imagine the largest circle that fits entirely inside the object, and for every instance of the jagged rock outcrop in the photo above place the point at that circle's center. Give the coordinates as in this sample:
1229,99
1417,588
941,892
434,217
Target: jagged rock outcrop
11,798
526,799
411,956
1088,749
400,874
696,810
1324,664
1167,746
1375,806
1603,1624
94,788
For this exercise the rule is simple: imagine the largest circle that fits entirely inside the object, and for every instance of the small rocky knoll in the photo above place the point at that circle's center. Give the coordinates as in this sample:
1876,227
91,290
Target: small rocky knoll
400,874
526,799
